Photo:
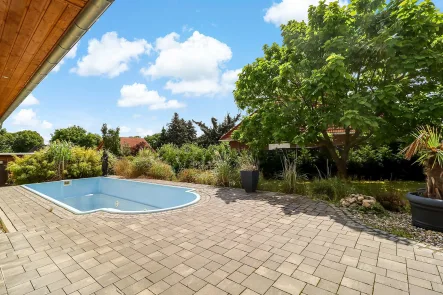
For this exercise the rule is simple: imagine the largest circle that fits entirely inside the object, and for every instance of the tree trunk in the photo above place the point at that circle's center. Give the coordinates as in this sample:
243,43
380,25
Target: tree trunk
342,168
434,181
340,157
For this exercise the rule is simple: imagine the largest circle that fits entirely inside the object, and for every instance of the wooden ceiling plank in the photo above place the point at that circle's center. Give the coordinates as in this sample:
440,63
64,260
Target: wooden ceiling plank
78,3
33,17
16,12
4,7
49,19
31,63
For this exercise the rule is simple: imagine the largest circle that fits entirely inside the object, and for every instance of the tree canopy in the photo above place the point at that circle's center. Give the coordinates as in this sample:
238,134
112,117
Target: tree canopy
24,141
212,134
111,140
179,132
76,135
369,67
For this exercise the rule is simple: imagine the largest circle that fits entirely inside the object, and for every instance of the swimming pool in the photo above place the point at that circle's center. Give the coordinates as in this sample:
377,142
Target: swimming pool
113,195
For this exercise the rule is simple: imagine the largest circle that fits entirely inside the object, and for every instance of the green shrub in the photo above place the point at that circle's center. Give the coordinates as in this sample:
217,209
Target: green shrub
142,162
193,156
31,169
60,160
392,200
188,175
160,170
331,189
124,167
83,163
206,177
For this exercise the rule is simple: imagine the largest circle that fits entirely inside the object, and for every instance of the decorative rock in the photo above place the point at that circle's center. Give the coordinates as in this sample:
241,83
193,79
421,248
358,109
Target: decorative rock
355,200
368,203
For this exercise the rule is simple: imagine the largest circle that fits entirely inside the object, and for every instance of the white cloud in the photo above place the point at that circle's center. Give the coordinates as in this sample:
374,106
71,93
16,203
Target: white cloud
28,118
286,10
194,66
110,56
138,94
143,132
30,100
125,129
46,125
70,55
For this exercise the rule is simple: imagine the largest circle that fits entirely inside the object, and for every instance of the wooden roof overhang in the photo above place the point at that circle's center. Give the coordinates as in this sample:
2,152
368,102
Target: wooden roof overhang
34,36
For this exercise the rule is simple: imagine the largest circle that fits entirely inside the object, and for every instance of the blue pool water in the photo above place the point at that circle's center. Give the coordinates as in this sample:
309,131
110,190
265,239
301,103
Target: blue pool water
113,195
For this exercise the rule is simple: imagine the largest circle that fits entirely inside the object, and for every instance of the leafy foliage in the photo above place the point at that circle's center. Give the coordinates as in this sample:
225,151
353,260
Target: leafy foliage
331,189
60,153
179,131
44,165
77,136
6,140
24,141
212,134
111,139
369,67
154,140
160,170
31,168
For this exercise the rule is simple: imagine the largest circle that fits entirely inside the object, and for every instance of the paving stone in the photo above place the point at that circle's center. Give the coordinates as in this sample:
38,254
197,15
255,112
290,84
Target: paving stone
380,289
246,247
257,283
329,274
230,287
289,285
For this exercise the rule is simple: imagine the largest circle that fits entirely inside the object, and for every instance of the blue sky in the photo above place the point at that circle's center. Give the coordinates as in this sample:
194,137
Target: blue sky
144,60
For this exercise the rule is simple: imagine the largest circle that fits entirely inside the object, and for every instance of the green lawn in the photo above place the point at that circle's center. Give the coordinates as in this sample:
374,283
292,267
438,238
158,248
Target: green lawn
362,187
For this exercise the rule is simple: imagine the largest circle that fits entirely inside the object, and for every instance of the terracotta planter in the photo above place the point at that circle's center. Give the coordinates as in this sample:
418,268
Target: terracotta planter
426,213
249,180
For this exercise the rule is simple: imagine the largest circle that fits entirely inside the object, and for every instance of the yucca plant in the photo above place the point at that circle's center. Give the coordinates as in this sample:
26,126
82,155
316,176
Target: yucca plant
428,145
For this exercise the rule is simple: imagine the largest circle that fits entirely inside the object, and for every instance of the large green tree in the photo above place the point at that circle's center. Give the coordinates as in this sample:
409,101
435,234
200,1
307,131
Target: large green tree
211,134
111,140
76,135
6,141
180,131
373,68
24,141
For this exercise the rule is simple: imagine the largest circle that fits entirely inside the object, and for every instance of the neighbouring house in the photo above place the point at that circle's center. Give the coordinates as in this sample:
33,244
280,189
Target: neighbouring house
131,143
337,133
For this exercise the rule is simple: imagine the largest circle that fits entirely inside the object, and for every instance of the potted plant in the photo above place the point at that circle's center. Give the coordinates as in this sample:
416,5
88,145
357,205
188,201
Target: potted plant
248,172
427,204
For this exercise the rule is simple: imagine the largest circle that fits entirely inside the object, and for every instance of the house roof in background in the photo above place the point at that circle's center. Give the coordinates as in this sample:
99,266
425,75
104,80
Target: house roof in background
132,141
228,135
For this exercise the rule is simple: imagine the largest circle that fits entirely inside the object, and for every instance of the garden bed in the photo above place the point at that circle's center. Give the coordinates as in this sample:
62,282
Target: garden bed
399,224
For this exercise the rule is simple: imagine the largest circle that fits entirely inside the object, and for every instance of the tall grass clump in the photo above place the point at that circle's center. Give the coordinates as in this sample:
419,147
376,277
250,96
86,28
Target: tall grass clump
226,171
292,178
330,189
124,167
143,161
160,170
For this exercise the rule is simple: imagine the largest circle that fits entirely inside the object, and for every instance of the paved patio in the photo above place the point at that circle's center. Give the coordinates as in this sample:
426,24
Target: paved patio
228,243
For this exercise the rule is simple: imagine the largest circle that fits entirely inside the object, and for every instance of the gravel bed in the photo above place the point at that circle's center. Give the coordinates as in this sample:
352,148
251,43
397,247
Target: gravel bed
399,224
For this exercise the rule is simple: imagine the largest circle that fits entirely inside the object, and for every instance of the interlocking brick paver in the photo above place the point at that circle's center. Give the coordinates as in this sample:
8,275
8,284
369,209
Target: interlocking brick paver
257,283
289,285
227,243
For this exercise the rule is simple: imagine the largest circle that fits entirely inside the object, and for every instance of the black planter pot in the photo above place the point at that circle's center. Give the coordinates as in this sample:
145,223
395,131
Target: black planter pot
426,213
249,180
